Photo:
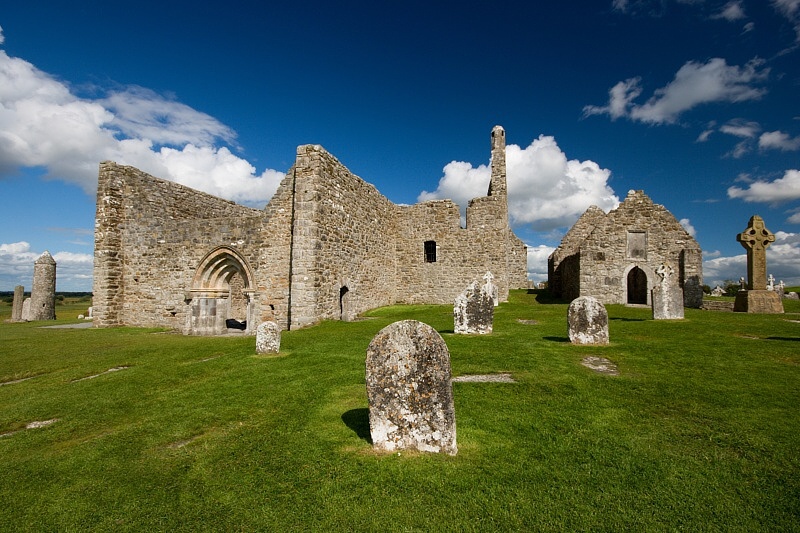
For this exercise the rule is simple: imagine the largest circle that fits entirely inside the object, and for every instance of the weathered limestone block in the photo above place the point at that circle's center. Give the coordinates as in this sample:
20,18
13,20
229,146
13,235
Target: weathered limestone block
491,288
764,301
410,390
473,311
16,306
667,296
268,338
587,321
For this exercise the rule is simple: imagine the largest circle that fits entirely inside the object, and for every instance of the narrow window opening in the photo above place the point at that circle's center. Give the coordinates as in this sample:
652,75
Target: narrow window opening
430,251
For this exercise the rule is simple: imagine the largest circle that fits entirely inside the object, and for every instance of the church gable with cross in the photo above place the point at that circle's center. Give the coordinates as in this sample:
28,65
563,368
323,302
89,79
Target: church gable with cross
614,257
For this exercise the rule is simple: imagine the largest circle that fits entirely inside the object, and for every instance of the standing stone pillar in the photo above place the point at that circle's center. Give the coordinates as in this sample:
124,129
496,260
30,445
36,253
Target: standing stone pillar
268,338
756,298
43,293
16,306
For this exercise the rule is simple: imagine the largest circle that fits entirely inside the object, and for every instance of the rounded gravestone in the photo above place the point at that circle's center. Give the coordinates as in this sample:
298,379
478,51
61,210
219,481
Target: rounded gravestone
268,338
409,390
587,320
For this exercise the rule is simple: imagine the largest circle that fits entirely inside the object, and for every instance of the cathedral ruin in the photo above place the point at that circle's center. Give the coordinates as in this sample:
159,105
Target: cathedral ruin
327,246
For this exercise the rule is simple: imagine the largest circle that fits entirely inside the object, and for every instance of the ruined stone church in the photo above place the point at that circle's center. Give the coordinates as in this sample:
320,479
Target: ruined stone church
327,246
614,256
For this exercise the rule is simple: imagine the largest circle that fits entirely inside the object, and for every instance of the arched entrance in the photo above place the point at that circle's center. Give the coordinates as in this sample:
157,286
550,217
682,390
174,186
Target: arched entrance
221,294
344,307
637,286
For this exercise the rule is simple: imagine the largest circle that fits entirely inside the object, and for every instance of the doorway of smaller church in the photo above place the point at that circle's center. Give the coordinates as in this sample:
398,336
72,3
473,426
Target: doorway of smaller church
637,286
344,299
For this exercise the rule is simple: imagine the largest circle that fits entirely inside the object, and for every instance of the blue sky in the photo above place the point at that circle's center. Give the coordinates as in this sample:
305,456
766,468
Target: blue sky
697,102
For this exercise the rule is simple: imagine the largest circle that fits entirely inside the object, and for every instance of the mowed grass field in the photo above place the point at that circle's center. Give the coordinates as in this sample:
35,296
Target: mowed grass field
700,431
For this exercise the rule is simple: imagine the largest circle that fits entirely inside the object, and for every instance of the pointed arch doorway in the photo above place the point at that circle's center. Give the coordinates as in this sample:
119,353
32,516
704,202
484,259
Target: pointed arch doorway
637,286
222,297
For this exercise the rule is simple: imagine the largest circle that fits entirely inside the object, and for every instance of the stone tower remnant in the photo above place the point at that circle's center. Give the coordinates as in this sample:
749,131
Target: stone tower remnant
410,391
756,238
43,293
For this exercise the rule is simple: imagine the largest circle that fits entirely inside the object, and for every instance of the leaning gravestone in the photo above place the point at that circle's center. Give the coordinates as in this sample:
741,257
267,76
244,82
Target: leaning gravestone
409,390
268,338
473,310
756,298
16,305
667,295
587,321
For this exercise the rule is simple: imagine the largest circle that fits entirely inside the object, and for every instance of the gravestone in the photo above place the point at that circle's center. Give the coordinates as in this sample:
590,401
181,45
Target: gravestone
43,292
26,310
587,321
667,295
16,306
718,291
268,338
473,310
756,298
409,390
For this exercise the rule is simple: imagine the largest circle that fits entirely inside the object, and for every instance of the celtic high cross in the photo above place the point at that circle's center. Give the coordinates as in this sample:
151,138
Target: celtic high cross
755,239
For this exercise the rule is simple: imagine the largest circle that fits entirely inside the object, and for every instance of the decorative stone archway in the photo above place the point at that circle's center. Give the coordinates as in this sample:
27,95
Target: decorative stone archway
222,296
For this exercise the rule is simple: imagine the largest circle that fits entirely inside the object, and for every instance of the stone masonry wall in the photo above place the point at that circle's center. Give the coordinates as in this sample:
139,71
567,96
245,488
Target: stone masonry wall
343,250
146,257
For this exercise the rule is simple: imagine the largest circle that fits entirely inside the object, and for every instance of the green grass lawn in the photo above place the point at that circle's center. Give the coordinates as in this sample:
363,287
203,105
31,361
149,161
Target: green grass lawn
699,432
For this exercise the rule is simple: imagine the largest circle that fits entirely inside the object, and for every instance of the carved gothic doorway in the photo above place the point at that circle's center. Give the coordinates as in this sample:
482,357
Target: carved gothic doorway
637,286
221,296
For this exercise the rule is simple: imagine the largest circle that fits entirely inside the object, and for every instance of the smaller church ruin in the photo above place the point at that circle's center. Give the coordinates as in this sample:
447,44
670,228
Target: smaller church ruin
327,246
615,256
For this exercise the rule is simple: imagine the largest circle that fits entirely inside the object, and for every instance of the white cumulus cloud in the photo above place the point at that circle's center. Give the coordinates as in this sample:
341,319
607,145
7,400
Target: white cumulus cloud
687,225
43,124
694,84
545,189
778,140
782,189
783,262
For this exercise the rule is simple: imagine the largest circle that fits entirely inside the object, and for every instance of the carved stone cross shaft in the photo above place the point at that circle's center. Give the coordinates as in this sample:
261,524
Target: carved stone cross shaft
755,239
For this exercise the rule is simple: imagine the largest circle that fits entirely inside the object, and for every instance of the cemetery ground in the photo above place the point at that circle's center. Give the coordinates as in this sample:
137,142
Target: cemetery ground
699,431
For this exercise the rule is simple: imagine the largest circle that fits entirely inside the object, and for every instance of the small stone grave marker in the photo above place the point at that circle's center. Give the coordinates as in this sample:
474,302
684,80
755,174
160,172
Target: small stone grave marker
587,321
268,338
473,311
409,390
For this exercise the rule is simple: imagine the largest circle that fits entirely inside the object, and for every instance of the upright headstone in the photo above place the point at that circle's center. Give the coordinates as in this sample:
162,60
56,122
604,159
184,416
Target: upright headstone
587,321
16,306
718,291
473,310
43,292
667,295
756,298
268,338
26,310
409,390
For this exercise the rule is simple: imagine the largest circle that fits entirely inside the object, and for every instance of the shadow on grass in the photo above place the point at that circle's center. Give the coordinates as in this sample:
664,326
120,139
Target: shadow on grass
783,338
556,339
624,319
358,421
